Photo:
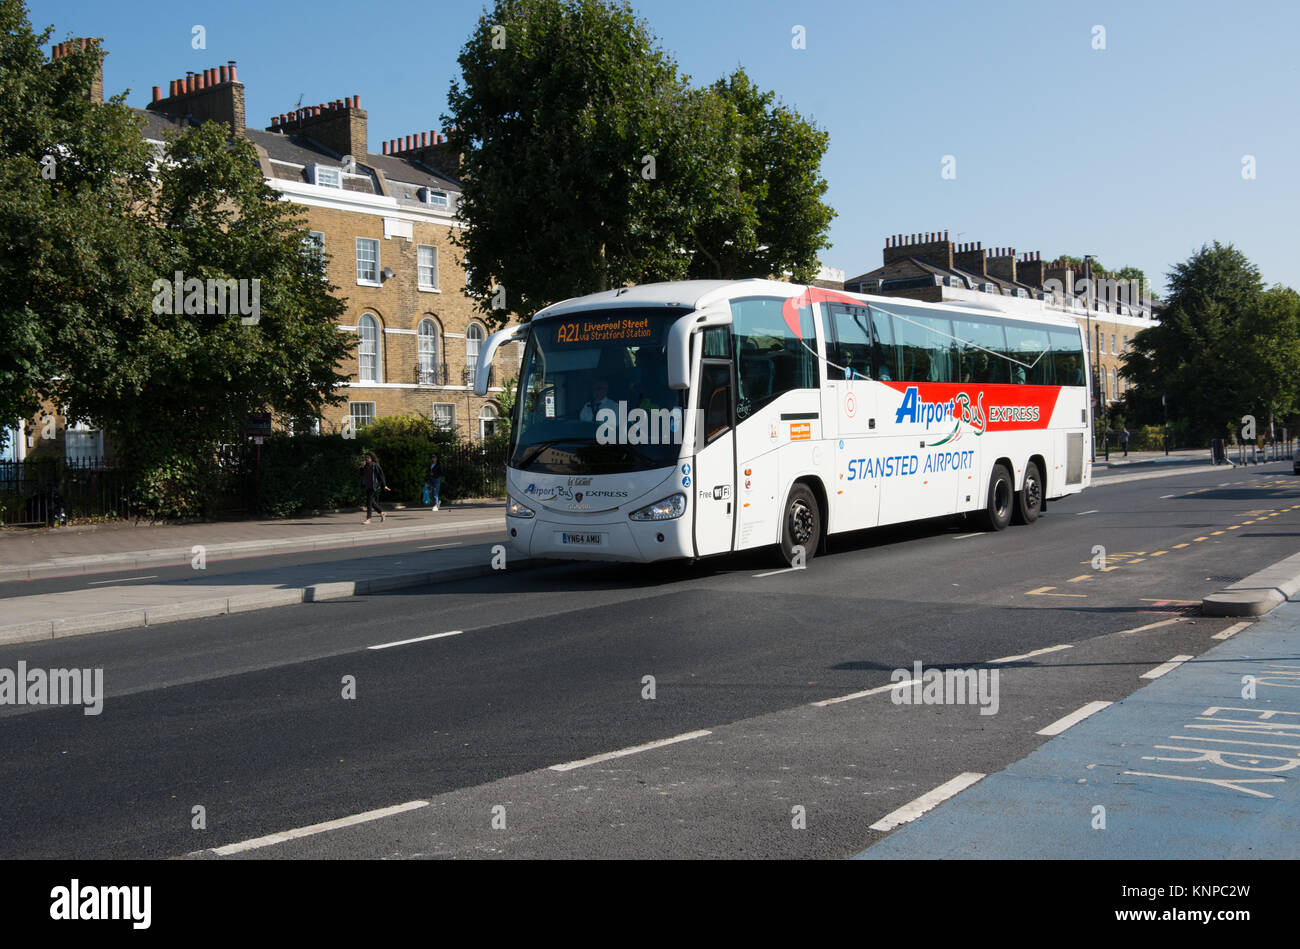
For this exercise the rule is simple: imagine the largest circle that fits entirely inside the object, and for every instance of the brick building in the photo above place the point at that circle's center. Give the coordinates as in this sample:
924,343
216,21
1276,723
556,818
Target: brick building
930,267
384,223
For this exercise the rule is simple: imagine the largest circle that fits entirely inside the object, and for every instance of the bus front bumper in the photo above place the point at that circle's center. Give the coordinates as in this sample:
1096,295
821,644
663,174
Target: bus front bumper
618,539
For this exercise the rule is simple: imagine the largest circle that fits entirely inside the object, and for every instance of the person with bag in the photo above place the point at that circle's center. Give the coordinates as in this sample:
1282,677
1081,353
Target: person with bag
433,481
372,482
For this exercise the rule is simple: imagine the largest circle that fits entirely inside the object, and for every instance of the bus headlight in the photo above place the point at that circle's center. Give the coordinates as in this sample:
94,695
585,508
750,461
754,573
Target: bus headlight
515,509
665,510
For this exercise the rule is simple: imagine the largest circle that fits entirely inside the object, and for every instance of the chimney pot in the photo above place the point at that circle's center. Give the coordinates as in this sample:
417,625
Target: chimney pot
275,120
224,73
424,139
157,93
233,76
356,102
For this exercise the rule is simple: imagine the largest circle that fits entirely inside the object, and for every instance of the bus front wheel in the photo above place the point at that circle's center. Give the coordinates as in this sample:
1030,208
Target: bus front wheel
801,527
1001,497
1029,502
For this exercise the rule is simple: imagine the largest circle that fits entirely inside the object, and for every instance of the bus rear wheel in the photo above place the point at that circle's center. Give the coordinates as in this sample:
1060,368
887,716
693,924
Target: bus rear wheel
1001,498
1029,502
801,526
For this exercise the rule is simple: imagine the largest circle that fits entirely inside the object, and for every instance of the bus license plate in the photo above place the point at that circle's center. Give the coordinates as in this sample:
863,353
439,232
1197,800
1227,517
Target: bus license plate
574,539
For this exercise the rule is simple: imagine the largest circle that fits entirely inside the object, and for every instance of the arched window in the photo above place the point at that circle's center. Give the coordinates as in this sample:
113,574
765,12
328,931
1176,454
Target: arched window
487,420
430,364
473,338
369,367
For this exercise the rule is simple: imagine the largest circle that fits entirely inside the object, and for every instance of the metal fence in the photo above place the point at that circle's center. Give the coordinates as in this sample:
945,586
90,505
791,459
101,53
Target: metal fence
476,470
46,491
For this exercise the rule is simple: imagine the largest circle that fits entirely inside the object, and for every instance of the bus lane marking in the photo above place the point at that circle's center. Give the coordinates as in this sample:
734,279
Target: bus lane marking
928,801
1165,667
1074,718
624,752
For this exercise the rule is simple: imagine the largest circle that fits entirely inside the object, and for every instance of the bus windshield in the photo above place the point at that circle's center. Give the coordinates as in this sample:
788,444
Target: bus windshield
574,367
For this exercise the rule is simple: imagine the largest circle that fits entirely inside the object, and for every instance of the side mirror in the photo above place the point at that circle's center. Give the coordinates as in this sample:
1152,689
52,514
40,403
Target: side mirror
679,341
494,342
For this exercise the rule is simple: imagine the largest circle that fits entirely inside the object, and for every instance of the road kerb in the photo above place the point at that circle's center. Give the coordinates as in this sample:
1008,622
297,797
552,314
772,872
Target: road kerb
1257,594
263,599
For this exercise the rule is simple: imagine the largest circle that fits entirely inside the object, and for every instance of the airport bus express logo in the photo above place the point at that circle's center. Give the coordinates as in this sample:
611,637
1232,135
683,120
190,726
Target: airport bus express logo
959,410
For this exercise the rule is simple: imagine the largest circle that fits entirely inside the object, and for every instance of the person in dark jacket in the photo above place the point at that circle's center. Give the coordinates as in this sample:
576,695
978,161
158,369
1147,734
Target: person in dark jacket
434,480
372,482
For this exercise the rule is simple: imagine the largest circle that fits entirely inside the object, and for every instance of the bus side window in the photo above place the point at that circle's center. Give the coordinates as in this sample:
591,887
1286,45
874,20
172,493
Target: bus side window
852,341
715,399
882,333
770,360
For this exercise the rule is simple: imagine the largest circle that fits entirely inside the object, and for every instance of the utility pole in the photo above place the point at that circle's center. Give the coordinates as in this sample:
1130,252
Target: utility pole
1101,398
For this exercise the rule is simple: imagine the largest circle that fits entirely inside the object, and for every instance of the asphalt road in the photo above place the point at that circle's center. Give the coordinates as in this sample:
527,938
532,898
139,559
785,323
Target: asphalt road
244,715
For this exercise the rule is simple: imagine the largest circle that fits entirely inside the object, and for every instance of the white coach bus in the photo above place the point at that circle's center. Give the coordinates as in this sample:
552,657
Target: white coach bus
703,417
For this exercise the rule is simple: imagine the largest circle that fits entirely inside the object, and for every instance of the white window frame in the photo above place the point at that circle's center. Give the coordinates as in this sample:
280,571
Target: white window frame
449,416
363,281
324,176
83,436
378,348
471,360
435,198
423,353
363,418
494,417
421,268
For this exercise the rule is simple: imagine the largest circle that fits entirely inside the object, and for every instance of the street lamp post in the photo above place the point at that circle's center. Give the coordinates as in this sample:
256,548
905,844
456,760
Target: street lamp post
1101,396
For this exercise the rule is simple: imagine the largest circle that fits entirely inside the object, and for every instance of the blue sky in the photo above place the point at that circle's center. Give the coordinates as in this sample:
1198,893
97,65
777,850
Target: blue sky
1132,153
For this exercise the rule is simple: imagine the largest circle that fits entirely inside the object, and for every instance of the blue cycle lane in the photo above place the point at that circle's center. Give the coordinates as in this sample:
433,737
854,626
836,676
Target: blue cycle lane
1203,763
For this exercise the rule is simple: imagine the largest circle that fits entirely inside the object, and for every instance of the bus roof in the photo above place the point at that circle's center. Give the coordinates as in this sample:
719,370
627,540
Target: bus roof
693,294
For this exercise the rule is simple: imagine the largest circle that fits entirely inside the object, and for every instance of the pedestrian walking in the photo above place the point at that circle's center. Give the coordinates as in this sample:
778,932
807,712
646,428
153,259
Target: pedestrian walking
372,482
433,481
1123,440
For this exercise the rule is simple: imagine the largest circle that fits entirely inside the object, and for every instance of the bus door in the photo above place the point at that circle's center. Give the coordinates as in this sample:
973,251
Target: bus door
849,416
711,480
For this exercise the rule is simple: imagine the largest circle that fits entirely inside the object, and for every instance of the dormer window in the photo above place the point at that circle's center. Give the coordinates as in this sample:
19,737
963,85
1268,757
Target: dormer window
324,176
434,198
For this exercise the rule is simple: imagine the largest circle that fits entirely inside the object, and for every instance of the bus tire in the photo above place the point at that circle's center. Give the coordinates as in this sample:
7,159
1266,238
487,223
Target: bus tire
801,526
1029,501
1001,499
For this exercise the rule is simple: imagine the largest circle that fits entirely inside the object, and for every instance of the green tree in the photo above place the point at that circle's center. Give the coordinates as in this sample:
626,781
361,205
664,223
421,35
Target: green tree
75,257
1224,347
180,384
589,163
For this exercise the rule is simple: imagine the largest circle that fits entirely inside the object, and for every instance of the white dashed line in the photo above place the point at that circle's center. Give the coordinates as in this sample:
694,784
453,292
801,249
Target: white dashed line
1163,622
862,695
1081,513
271,840
1165,667
773,573
1074,718
928,801
1029,655
609,755
152,576
417,639
1232,630
964,536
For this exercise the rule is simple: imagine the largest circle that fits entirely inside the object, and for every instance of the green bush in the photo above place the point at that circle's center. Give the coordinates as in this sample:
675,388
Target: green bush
308,472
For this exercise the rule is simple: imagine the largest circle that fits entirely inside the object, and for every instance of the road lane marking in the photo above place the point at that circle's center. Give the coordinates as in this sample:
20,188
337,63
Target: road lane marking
861,695
1029,655
1081,513
931,799
773,573
623,753
271,839
1074,718
437,546
417,639
1194,539
1179,546
1166,497
1080,577
1213,534
1043,591
1159,553
1234,527
1163,622
1232,630
1165,667
152,576
1137,560
964,536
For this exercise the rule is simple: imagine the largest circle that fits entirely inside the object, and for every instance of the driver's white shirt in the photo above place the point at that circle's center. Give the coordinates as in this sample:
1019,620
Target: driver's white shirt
592,409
